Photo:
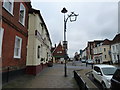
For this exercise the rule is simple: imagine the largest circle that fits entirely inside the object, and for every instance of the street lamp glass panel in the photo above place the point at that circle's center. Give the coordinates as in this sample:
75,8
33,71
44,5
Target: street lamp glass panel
73,18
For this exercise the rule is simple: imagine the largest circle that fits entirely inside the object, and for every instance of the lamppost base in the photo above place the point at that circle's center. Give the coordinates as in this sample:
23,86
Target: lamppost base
66,75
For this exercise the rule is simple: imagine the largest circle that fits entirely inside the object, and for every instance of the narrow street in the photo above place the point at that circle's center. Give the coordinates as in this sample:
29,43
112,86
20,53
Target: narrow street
50,77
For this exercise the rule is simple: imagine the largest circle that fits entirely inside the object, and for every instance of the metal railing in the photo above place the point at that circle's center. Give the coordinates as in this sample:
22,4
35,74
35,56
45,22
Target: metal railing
82,85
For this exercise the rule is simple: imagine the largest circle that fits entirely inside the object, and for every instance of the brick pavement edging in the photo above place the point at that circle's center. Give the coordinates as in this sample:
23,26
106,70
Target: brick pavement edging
83,81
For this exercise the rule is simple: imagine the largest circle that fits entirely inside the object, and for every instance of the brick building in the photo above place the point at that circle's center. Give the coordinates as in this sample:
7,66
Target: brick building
90,46
14,33
89,50
58,53
101,51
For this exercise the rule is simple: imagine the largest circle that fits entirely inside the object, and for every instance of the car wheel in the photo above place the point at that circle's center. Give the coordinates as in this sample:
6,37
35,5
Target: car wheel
103,86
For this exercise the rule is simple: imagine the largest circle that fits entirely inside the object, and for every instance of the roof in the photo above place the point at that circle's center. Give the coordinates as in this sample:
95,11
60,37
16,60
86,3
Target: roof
107,42
54,48
98,41
103,65
116,39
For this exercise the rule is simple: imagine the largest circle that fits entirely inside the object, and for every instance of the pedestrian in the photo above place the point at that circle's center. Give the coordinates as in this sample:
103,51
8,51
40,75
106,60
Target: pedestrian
99,61
96,61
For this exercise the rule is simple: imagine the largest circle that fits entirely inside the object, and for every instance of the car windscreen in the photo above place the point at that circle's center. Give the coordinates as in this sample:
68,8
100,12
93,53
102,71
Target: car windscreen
108,71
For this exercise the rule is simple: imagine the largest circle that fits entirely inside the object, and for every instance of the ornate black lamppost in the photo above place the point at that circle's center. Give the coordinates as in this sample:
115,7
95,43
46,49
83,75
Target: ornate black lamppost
72,17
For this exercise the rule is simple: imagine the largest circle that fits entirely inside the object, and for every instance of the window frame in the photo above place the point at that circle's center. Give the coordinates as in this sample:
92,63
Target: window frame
113,47
23,23
38,51
97,69
20,47
104,49
105,56
12,2
1,37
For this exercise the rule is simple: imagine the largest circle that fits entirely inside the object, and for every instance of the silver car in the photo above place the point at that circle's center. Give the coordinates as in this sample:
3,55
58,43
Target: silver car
103,74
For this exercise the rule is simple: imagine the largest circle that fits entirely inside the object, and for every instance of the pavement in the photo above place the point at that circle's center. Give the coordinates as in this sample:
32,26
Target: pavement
50,77
83,74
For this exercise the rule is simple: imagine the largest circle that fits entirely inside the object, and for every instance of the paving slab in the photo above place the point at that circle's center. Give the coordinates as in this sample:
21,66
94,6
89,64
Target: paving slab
50,77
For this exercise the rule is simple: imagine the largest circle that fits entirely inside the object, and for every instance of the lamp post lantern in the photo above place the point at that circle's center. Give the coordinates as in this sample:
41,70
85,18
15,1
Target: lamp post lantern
72,17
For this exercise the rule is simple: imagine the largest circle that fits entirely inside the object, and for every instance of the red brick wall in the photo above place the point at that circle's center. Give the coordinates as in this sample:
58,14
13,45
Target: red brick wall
34,70
15,17
59,48
8,23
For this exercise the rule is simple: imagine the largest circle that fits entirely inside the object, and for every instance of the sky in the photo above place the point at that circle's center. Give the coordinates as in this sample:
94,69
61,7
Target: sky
96,21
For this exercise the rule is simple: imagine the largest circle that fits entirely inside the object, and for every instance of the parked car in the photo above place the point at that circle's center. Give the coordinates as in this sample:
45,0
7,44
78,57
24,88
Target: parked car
115,81
90,61
103,74
83,61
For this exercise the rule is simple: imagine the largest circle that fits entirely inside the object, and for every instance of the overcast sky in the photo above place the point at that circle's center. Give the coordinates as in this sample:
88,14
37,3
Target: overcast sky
96,21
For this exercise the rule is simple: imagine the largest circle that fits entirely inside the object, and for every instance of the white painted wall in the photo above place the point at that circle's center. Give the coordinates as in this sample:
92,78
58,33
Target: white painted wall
34,42
100,49
115,50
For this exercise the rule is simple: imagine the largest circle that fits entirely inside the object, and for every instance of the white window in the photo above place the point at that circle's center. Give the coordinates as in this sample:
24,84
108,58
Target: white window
113,48
22,14
116,47
59,51
17,48
114,57
8,5
1,39
38,52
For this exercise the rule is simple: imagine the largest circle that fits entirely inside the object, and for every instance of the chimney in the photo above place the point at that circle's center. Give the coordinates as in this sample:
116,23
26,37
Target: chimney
55,45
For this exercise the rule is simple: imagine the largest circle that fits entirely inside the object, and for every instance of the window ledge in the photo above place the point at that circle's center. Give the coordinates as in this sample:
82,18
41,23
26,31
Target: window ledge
22,24
17,57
